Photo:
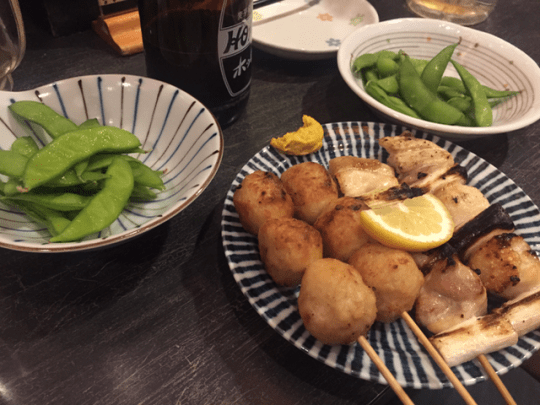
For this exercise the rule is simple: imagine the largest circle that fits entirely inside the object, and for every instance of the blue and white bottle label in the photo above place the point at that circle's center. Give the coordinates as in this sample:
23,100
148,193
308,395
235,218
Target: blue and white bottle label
234,50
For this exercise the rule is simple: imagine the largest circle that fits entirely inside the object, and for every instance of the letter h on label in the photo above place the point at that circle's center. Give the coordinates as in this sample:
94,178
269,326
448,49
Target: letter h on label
237,40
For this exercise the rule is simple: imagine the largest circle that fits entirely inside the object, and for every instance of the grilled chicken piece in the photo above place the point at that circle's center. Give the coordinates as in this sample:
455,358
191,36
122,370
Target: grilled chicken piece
462,201
416,161
451,294
507,266
491,222
357,176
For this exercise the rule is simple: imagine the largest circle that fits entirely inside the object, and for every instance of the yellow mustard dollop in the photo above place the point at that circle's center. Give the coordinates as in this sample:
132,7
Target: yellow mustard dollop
307,139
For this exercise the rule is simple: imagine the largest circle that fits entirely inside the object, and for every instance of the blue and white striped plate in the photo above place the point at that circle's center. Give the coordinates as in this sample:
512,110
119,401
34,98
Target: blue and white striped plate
183,137
394,343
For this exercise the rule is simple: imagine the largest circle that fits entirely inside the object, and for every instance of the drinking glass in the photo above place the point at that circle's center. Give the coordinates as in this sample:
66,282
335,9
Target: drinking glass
12,41
464,12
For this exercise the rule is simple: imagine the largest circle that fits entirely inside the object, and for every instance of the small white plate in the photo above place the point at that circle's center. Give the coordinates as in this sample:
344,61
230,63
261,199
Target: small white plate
309,29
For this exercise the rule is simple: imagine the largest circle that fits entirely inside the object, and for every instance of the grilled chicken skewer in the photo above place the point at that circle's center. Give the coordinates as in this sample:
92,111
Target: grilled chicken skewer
416,161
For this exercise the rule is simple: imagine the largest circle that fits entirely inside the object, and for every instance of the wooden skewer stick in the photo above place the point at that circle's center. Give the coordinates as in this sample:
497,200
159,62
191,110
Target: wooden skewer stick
496,379
398,389
438,359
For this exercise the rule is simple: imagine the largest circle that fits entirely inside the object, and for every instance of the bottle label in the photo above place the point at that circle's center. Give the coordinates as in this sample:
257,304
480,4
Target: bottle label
234,49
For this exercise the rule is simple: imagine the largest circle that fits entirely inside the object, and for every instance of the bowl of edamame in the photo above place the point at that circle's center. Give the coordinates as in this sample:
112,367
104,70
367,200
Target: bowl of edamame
92,161
440,77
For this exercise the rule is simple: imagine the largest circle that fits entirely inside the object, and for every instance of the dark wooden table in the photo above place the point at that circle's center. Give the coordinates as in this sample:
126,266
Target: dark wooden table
159,319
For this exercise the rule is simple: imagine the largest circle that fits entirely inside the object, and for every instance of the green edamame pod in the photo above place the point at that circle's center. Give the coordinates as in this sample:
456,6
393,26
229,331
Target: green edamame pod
425,102
402,107
386,66
25,146
142,193
466,121
12,187
99,161
70,179
369,75
375,91
143,175
490,92
80,167
419,64
12,164
53,220
57,201
52,122
461,103
363,61
453,82
389,84
448,92
104,208
62,153
434,70
483,114
369,60
90,123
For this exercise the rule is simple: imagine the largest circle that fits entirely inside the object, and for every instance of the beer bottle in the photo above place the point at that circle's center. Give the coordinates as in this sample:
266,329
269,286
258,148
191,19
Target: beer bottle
203,47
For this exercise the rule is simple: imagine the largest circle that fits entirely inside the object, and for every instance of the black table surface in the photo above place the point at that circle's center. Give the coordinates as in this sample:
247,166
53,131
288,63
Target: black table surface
160,319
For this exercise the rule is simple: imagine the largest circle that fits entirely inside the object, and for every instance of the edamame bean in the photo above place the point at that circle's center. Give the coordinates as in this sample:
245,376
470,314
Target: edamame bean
25,146
434,70
90,123
12,164
457,84
57,201
483,115
52,122
104,208
461,103
375,91
62,153
413,90
389,84
386,66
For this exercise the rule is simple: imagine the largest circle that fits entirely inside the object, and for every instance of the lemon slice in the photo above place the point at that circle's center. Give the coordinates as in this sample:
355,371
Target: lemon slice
416,224
307,139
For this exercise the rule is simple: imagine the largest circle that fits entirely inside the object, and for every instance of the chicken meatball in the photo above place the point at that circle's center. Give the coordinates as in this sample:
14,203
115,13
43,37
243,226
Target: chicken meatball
287,246
341,229
261,196
335,304
393,275
311,188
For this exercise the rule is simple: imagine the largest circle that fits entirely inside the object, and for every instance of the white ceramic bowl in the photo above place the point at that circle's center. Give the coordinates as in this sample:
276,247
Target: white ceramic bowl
491,60
184,138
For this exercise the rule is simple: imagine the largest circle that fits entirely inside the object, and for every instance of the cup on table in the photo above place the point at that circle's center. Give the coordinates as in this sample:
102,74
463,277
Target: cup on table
464,12
12,41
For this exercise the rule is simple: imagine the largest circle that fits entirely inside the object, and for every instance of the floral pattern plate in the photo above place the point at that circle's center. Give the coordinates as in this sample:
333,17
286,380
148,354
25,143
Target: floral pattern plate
309,29
395,343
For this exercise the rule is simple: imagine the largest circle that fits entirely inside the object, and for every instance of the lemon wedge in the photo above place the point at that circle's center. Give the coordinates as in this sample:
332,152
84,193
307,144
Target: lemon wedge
416,224
307,139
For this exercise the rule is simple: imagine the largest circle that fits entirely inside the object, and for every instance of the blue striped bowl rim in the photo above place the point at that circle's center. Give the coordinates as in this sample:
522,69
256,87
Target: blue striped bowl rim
184,139
395,343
